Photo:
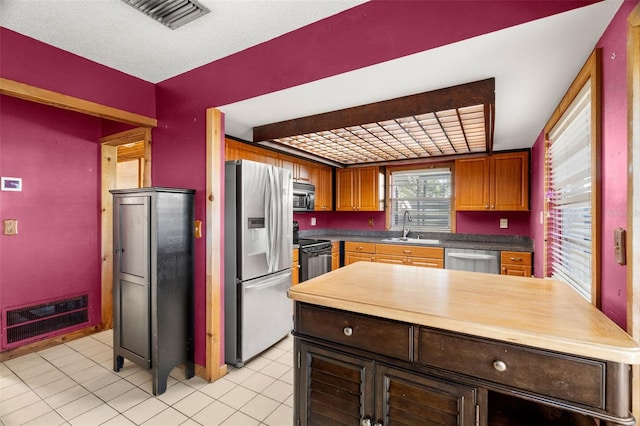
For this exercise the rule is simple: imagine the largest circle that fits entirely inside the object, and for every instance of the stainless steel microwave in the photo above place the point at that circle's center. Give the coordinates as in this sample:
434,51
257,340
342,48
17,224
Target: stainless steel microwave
304,197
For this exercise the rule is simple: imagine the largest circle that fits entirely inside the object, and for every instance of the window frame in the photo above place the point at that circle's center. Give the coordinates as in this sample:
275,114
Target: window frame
419,166
591,73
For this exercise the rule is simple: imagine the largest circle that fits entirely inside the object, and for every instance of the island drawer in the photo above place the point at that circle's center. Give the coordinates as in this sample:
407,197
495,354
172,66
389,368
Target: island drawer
375,335
361,247
551,374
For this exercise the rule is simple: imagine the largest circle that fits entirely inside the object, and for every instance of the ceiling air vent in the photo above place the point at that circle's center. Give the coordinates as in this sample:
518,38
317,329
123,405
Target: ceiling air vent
172,13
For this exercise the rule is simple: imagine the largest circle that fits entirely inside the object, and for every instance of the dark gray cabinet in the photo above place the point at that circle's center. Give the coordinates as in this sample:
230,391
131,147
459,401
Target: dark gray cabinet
153,280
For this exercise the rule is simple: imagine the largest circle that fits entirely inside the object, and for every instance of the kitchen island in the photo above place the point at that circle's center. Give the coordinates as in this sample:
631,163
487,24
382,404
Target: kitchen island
379,343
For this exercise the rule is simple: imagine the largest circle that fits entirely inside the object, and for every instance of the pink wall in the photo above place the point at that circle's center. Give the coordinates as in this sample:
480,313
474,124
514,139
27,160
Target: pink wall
377,30
57,250
56,153
342,220
614,166
28,61
488,223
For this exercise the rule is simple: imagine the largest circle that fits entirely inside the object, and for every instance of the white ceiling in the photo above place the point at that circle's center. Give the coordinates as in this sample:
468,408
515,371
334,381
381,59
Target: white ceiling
533,63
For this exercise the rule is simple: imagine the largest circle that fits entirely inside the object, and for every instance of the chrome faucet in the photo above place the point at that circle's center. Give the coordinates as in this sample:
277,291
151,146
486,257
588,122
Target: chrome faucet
405,230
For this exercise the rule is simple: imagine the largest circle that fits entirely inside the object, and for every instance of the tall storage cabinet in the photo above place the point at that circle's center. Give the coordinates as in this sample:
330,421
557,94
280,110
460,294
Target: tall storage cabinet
153,280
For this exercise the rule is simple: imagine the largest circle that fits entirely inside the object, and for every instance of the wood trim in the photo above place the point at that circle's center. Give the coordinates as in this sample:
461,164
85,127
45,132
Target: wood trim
59,100
633,193
591,71
48,343
214,243
475,93
108,181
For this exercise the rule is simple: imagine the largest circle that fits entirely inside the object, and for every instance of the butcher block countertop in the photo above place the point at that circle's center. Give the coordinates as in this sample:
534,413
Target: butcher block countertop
539,313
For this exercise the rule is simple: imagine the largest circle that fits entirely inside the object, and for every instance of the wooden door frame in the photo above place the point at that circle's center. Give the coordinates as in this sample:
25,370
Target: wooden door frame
633,192
215,366
109,157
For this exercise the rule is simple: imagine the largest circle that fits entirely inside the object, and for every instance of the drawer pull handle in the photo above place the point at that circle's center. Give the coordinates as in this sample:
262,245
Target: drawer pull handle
406,251
516,259
348,331
499,365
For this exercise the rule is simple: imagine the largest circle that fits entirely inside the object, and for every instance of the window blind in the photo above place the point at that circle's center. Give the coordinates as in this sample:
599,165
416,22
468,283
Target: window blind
568,196
426,194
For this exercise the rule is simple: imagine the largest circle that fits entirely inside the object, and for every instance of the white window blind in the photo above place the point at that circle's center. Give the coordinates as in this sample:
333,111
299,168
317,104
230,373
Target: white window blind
568,195
426,194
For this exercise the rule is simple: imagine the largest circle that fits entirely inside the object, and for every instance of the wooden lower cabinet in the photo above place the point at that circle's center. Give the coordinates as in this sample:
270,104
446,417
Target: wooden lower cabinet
335,255
295,268
399,254
359,252
341,389
515,263
428,257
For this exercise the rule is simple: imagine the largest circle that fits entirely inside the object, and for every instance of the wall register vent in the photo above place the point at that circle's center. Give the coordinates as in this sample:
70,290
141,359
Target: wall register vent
171,13
36,321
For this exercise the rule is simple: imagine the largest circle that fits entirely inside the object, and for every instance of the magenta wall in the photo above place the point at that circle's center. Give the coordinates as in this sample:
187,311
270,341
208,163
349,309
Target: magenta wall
377,30
28,61
57,154
57,250
488,223
614,166
342,220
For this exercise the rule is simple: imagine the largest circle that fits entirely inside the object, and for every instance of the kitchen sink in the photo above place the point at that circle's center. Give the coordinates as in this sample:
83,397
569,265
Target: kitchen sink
410,240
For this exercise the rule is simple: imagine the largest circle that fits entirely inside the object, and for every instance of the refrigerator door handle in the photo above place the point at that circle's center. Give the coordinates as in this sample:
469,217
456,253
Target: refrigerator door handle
273,216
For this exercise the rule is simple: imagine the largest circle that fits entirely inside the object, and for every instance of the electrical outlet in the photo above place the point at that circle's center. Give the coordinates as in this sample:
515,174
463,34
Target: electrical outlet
504,223
10,226
313,221
370,221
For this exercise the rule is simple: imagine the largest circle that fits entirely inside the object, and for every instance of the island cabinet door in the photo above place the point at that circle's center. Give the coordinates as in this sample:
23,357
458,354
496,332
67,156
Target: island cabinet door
405,398
334,388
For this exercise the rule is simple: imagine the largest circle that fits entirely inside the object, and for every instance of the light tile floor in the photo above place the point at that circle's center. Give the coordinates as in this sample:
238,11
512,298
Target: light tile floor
74,384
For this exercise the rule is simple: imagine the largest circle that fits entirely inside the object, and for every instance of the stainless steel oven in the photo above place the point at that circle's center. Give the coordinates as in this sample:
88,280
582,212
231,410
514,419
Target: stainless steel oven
315,258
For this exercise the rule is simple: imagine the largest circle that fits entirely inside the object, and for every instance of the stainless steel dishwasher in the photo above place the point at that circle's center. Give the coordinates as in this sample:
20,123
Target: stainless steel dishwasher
472,260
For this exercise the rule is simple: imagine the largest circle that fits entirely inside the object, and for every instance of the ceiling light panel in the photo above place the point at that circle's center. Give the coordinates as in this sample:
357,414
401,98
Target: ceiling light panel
448,132
171,13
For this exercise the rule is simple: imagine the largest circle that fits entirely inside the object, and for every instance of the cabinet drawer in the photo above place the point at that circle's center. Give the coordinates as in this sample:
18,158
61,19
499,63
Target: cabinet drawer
407,250
556,375
515,258
360,247
360,331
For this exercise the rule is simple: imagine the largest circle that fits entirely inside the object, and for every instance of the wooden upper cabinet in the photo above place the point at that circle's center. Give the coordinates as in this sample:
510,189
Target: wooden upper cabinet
357,189
498,182
321,178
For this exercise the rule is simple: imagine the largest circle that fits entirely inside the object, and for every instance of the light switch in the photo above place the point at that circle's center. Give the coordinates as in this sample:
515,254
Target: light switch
10,226
197,229
504,223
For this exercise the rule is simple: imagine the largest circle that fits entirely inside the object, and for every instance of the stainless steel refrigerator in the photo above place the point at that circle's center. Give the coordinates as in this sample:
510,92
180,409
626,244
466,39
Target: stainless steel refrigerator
258,250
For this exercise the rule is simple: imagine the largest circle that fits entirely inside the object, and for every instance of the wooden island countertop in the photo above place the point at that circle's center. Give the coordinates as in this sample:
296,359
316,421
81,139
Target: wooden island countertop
534,312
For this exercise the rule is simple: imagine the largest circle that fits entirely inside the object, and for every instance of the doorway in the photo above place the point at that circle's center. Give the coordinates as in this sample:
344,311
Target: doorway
126,163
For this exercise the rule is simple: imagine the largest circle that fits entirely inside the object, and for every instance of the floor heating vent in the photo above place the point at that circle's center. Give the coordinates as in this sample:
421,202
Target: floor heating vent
36,321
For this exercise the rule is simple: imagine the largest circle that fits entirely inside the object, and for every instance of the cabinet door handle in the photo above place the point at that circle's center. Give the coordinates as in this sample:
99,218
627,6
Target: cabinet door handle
499,365
492,206
348,331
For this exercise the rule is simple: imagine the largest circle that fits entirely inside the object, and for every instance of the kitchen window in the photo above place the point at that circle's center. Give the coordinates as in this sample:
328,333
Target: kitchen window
425,194
572,199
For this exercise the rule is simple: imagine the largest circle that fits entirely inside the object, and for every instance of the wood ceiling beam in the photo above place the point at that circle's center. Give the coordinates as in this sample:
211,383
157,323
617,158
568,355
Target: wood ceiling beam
463,95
